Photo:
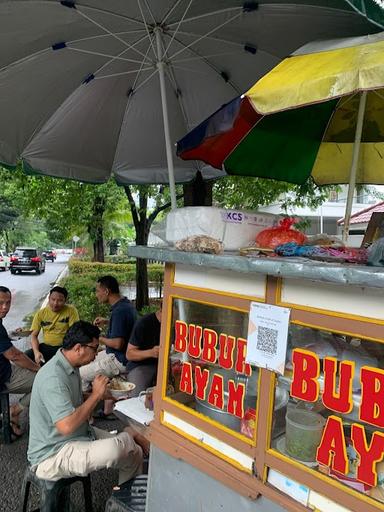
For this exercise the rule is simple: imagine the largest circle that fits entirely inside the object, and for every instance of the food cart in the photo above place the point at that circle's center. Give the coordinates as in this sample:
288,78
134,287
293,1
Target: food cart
230,436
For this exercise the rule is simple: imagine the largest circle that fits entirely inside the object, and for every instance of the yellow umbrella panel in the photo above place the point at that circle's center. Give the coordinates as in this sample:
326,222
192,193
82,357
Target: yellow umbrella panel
333,161
342,69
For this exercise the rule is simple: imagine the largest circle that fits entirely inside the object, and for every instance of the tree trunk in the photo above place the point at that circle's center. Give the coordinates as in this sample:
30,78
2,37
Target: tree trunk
142,291
7,244
98,247
142,225
95,229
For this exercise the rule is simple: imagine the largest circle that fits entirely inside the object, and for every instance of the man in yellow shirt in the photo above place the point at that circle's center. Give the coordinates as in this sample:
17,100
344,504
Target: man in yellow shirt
54,320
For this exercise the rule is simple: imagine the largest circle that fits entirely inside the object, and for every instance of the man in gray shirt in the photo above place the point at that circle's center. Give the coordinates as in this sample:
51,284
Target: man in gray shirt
61,442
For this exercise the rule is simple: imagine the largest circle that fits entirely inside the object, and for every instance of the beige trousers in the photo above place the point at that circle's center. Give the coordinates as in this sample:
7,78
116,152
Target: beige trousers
79,458
21,382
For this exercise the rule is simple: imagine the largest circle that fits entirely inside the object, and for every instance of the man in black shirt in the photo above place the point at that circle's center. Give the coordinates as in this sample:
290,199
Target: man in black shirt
111,361
17,377
143,352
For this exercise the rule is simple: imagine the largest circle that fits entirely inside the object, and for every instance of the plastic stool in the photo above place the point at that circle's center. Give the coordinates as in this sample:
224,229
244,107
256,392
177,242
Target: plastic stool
54,496
131,497
5,417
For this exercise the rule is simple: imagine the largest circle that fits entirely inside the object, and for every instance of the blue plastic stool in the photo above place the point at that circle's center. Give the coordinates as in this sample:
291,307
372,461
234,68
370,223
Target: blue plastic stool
5,417
54,496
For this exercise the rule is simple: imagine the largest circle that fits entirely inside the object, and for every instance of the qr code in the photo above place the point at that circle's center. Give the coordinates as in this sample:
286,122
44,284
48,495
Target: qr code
267,340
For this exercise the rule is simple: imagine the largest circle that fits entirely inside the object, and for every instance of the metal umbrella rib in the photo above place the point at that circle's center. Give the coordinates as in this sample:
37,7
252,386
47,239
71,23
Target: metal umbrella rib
91,90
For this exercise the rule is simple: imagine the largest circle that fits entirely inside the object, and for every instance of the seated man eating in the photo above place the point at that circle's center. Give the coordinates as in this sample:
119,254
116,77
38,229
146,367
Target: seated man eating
111,361
62,443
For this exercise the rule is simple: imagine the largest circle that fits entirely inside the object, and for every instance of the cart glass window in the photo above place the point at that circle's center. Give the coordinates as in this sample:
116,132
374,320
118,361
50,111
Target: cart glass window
208,372
334,422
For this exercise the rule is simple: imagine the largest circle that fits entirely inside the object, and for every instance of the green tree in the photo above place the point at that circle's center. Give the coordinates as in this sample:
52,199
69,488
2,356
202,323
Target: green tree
143,218
16,227
96,211
70,207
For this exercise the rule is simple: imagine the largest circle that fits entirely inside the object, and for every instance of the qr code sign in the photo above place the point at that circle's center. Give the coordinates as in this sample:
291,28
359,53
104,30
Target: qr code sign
267,340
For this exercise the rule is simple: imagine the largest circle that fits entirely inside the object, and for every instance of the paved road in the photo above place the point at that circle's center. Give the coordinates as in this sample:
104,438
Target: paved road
28,291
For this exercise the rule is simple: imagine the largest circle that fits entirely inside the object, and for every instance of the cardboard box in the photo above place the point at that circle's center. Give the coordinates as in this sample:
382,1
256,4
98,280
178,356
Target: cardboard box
235,228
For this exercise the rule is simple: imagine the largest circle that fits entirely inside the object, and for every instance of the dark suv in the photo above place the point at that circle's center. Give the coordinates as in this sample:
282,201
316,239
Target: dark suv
27,258
50,255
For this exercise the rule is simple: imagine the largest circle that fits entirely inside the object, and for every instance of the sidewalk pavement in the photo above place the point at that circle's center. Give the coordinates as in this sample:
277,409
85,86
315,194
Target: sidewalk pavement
13,460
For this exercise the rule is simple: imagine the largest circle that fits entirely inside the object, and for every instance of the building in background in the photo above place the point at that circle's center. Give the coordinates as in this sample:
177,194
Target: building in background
325,218
359,223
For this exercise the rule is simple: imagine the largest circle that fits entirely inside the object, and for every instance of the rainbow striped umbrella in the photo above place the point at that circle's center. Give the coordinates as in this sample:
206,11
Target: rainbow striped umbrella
320,112
300,119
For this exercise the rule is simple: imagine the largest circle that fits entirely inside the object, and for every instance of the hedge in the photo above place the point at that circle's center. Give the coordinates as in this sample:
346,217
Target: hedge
124,272
85,267
82,278
81,293
117,258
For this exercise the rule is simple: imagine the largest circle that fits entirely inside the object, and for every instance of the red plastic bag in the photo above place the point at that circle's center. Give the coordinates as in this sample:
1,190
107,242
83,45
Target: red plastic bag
281,234
248,423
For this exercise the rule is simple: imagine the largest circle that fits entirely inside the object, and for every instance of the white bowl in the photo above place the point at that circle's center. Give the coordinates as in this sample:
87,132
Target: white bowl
120,388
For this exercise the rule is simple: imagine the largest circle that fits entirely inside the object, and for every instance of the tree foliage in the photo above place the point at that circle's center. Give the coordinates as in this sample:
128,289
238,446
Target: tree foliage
252,193
103,213
8,213
70,207
9,217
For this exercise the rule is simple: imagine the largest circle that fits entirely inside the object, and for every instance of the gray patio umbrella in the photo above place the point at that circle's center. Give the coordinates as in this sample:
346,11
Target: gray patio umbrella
90,89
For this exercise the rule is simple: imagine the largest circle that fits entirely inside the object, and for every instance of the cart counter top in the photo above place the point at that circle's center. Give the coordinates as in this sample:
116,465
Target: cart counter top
344,274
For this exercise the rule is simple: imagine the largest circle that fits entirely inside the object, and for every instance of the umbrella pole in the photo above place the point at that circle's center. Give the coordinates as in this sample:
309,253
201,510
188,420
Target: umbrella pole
354,165
168,147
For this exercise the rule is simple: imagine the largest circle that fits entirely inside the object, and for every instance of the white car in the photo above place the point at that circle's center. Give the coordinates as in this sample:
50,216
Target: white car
4,261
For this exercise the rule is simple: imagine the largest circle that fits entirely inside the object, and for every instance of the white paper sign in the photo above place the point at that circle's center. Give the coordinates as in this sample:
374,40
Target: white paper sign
268,336
134,408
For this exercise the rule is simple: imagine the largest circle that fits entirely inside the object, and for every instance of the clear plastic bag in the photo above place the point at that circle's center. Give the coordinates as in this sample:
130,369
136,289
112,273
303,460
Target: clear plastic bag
376,254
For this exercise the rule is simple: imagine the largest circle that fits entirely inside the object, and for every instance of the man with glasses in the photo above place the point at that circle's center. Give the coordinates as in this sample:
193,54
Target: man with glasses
62,443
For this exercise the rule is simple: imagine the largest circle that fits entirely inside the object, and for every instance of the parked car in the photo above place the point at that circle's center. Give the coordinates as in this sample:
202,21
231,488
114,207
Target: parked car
4,261
50,255
27,258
